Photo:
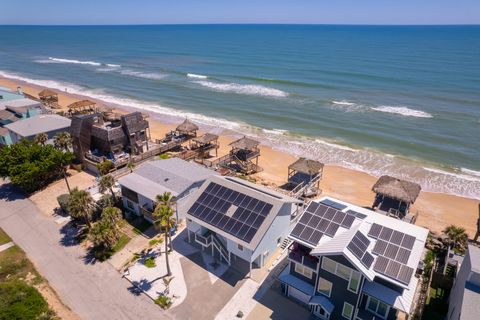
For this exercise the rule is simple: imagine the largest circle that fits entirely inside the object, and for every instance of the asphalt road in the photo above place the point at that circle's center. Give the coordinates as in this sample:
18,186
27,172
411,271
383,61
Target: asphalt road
91,290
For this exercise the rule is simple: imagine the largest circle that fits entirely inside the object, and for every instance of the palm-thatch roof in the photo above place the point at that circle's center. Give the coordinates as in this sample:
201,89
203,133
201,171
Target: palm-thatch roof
402,190
244,143
206,138
307,166
46,93
81,104
187,126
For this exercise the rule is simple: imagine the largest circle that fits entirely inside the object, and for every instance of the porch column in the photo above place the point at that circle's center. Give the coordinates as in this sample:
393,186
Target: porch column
188,233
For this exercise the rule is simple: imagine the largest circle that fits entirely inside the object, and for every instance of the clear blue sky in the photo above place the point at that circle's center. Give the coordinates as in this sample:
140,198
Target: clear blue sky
239,11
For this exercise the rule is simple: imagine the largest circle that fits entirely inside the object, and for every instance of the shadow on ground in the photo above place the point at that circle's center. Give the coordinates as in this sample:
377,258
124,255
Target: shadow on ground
9,192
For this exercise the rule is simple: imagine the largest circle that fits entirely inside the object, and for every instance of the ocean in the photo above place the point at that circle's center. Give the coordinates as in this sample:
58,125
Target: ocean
399,100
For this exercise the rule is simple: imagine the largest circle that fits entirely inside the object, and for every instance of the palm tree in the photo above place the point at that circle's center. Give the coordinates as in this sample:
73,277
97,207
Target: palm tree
457,235
62,141
106,183
106,232
81,206
166,199
41,138
112,216
164,220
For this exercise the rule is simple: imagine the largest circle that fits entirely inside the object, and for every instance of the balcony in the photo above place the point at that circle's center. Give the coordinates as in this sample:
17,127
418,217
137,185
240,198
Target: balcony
148,214
301,254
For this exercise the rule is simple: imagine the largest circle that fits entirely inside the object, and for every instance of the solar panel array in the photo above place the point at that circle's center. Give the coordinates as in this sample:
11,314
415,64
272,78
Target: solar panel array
357,214
333,204
358,247
393,249
231,211
319,220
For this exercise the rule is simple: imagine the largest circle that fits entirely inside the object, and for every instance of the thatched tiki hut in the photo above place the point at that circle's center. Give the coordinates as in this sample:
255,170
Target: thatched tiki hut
245,153
394,195
187,128
304,177
82,107
204,144
49,98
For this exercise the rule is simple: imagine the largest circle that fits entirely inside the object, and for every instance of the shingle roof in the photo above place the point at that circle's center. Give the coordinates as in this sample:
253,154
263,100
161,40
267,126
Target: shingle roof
39,124
398,189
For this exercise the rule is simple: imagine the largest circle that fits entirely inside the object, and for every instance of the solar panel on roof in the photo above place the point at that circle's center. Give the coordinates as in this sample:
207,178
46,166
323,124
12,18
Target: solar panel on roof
408,241
358,247
402,255
391,251
385,234
348,221
393,269
356,214
216,200
367,260
375,230
397,237
381,264
332,229
313,206
405,274
339,216
333,204
380,247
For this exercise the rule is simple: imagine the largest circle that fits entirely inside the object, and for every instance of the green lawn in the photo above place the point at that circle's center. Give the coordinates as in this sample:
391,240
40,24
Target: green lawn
4,238
436,306
122,242
19,299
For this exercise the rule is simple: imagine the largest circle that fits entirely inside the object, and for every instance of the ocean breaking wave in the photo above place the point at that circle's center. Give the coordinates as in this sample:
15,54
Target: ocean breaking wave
462,182
72,61
404,111
248,89
196,76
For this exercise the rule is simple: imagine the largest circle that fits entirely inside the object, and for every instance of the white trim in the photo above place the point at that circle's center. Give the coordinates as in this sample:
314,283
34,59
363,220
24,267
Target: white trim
343,311
320,280
375,311
305,271
336,272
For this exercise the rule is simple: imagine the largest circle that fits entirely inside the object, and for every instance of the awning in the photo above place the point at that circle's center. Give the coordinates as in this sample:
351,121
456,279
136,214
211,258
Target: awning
387,295
295,282
322,301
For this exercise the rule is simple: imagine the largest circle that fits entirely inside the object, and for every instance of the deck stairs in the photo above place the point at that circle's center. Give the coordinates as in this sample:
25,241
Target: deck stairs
211,239
306,189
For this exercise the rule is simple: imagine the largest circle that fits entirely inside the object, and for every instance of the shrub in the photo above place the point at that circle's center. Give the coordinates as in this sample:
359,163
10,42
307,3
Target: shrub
164,302
155,241
164,156
63,201
21,301
105,167
150,262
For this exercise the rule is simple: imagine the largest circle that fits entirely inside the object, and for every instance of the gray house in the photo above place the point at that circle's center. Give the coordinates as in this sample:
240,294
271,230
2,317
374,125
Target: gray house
51,124
464,301
238,221
347,262
179,177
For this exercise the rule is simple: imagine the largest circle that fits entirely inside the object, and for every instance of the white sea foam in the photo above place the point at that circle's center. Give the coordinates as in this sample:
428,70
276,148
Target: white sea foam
344,103
72,61
196,76
248,89
464,183
275,131
404,111
145,75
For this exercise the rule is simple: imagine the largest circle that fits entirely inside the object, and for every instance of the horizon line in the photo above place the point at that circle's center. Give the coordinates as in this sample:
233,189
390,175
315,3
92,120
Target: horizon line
240,23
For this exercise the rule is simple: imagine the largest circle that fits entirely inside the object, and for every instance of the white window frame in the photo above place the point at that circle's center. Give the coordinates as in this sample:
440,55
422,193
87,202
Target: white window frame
375,311
320,280
304,271
336,272
343,310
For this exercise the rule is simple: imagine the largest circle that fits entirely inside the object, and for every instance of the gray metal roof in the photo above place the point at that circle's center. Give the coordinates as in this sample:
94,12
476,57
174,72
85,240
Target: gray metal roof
24,102
39,124
170,175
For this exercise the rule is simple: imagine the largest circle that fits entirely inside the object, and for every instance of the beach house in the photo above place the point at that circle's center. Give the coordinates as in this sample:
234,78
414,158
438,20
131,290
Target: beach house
14,106
96,138
180,178
28,128
348,262
239,222
464,301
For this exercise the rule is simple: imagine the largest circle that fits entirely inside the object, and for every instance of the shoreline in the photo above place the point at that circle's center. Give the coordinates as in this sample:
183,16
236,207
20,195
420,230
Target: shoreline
436,210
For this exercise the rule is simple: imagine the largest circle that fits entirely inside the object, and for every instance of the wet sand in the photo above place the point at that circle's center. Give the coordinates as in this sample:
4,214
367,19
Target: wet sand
435,210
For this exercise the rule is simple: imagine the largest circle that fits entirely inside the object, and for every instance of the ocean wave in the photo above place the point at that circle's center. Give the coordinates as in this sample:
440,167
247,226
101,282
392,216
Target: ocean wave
72,61
344,103
196,76
463,183
248,89
144,75
404,111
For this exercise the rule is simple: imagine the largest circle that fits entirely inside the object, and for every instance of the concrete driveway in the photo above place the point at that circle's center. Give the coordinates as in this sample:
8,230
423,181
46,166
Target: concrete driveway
92,291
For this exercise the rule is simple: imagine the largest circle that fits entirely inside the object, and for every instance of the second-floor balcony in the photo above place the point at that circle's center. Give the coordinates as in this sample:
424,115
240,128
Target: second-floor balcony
301,254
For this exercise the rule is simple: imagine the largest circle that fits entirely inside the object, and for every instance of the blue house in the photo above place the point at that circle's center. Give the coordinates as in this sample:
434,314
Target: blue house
348,262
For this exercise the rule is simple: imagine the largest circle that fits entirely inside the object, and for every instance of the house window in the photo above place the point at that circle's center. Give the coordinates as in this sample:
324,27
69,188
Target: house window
329,265
354,283
306,272
240,247
377,307
130,205
324,287
347,310
343,271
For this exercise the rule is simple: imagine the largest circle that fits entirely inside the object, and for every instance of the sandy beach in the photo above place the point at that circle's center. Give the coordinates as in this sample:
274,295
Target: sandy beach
435,210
